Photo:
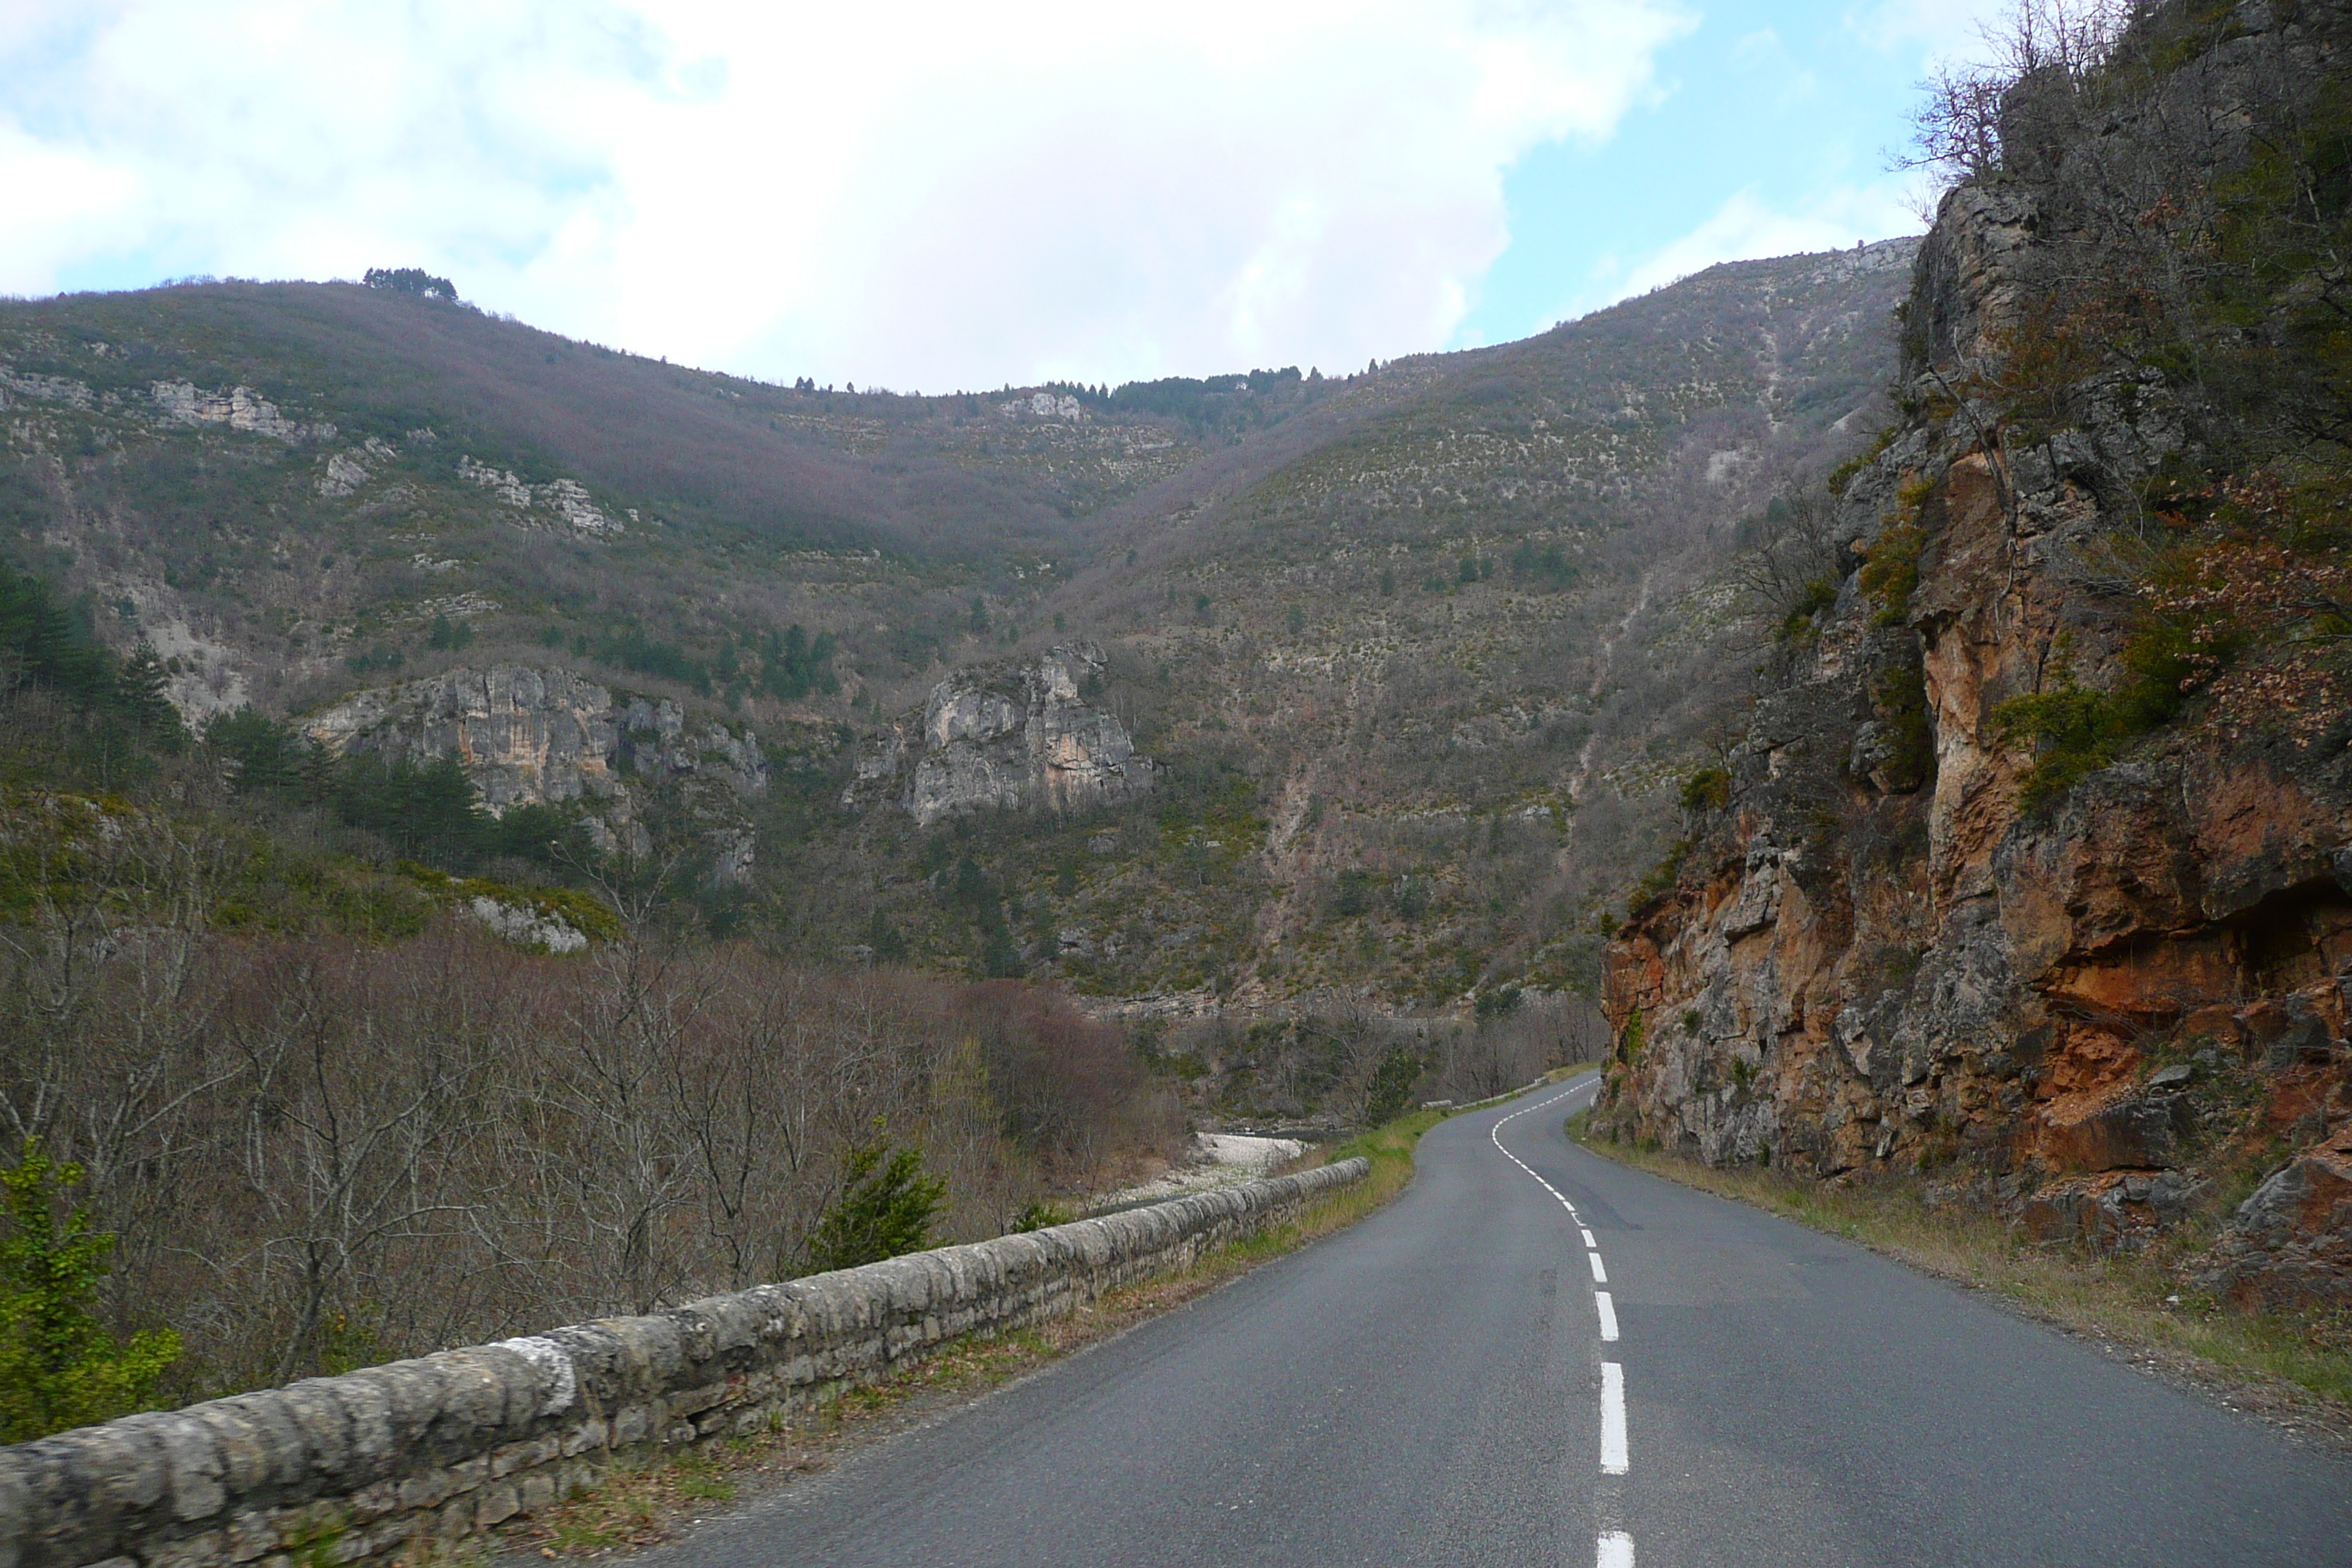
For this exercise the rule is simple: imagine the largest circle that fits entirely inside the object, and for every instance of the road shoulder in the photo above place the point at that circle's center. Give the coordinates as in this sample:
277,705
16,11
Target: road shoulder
2291,1375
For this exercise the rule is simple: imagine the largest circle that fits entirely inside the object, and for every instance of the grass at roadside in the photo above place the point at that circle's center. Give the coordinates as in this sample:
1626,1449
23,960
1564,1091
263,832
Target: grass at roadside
2297,1369
637,1505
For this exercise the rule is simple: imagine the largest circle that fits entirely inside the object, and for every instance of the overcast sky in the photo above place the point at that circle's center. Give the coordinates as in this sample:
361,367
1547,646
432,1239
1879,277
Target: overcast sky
938,197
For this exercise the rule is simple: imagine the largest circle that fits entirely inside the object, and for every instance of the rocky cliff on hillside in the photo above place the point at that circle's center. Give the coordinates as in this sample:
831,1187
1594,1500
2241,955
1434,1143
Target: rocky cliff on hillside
1902,939
546,736
1005,738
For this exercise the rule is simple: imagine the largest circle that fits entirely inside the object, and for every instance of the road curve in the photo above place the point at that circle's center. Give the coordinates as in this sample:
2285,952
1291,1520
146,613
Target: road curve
1434,1386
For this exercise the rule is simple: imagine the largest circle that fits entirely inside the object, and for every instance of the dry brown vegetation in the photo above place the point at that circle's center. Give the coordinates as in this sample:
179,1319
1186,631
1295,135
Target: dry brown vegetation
320,1152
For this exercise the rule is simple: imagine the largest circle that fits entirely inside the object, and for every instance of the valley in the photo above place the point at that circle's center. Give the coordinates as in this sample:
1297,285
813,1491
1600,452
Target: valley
496,831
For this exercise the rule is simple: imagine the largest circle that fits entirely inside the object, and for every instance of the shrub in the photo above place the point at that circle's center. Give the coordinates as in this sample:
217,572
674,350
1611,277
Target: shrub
1659,881
1497,1002
1629,1042
1709,789
2075,731
1351,895
1843,474
885,1209
1798,627
1393,1086
1549,566
1890,571
1900,695
889,945
1037,1214
59,1367
792,666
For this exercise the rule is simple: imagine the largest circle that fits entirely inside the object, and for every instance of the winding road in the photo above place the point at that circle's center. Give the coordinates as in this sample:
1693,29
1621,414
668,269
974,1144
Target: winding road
1536,1356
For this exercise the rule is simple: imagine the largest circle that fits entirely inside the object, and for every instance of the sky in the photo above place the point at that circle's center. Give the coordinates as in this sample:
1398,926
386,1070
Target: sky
938,197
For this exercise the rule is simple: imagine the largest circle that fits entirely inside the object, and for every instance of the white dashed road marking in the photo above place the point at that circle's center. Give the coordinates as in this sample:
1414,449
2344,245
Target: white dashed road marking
1615,1548
1612,1419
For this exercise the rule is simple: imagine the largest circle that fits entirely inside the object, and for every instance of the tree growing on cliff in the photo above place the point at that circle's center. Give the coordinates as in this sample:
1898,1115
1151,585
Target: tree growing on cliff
1974,119
1789,565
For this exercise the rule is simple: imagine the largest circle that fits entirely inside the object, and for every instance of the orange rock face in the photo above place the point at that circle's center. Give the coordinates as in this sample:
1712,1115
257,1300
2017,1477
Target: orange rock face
2079,1013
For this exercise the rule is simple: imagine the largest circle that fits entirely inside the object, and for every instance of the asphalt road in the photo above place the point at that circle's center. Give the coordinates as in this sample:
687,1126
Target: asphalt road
1434,1386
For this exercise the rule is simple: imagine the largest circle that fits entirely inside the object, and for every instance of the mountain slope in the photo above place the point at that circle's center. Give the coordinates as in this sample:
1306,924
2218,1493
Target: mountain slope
1412,663
270,481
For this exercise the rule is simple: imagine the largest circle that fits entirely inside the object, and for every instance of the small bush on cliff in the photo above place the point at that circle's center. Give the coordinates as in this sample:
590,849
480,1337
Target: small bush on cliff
2076,731
1709,789
59,1367
1890,571
1789,564
1801,625
1660,880
1845,472
1899,696
884,1208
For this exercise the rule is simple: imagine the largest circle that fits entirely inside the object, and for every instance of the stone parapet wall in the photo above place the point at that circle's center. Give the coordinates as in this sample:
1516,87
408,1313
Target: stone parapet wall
337,1469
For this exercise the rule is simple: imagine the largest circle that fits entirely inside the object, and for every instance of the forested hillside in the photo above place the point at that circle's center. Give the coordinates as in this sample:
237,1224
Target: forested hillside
1409,664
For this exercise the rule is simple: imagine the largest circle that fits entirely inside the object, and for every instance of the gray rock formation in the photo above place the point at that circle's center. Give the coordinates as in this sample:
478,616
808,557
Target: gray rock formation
1004,739
567,498
239,409
531,736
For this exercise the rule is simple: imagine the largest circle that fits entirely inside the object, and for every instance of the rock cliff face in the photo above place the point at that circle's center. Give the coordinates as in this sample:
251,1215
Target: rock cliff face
239,409
1004,739
2088,1010
532,736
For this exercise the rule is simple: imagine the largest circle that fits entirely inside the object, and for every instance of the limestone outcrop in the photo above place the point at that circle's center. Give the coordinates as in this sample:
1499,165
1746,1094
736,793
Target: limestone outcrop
239,409
1885,953
566,499
1006,738
546,736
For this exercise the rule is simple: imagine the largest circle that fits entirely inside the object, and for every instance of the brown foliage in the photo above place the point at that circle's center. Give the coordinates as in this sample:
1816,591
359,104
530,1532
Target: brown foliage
321,1154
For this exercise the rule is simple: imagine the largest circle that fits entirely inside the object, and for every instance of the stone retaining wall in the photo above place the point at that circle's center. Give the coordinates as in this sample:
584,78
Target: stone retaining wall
336,1469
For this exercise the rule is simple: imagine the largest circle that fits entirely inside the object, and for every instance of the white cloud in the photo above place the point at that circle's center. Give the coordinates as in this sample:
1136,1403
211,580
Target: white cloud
933,195
1745,228
1929,33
